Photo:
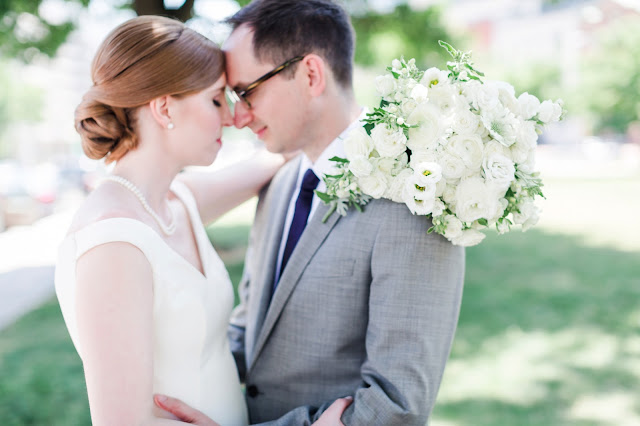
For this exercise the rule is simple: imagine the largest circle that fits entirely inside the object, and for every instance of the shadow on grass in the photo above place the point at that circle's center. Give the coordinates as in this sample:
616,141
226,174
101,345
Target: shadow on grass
547,327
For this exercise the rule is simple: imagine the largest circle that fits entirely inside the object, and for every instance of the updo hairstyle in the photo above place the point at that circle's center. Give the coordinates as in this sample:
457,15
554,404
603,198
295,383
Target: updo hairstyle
142,59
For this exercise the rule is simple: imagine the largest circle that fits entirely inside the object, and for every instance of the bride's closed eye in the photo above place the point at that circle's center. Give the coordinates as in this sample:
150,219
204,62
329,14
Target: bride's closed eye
217,103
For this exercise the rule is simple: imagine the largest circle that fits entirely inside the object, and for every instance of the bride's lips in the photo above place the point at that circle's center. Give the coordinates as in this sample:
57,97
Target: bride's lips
260,133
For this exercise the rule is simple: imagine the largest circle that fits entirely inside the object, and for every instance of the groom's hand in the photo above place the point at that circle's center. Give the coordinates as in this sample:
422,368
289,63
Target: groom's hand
183,411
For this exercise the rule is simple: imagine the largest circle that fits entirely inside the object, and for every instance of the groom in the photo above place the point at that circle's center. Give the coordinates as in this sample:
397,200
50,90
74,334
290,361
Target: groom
363,305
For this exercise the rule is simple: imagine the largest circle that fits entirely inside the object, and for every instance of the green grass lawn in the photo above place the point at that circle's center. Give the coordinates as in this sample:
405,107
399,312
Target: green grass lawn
549,331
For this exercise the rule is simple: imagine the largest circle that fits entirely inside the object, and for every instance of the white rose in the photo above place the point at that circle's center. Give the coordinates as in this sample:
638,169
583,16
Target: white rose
384,164
452,166
358,144
484,96
493,147
388,142
422,156
529,163
385,85
419,93
507,95
395,190
449,194
465,122
474,200
528,216
360,166
499,169
427,173
443,98
526,133
469,148
422,138
549,111
520,152
453,227
438,207
407,106
469,237
374,185
528,105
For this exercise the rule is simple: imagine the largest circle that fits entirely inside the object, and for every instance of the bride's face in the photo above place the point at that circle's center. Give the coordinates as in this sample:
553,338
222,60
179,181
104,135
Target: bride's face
198,120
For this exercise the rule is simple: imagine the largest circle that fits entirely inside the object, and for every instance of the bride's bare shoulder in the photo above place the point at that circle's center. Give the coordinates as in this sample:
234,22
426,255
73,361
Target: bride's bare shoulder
104,202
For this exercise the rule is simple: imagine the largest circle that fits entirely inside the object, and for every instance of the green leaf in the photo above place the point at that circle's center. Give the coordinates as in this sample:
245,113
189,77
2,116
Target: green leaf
483,221
453,52
339,159
326,198
369,127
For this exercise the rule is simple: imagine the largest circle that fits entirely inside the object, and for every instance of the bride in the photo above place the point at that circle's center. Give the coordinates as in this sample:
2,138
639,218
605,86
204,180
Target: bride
145,297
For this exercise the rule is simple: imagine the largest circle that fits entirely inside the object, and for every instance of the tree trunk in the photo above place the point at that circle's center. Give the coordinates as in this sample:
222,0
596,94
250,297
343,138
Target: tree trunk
156,7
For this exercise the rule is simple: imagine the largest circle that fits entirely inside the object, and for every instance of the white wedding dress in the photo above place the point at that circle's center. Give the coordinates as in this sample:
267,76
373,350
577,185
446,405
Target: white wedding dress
192,360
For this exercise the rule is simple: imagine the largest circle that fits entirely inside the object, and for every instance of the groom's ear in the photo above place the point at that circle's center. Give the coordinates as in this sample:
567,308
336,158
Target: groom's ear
160,110
315,74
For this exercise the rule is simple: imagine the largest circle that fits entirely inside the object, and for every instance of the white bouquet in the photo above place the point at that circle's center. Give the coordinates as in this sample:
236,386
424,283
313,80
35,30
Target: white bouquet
449,146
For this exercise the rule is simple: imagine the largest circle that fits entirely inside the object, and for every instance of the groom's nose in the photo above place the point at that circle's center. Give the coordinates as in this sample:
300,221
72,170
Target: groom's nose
242,115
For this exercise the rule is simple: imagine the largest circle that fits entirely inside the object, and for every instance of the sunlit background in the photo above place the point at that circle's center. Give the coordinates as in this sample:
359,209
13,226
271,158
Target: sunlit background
549,331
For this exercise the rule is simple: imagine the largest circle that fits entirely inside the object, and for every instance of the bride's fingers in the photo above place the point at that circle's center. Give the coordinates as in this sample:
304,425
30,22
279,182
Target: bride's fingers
331,416
181,410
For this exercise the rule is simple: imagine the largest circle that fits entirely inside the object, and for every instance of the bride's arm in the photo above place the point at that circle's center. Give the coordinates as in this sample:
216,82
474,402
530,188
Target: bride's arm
218,192
114,308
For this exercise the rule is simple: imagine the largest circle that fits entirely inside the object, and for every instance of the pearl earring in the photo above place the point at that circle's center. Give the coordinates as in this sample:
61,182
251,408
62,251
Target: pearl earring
170,126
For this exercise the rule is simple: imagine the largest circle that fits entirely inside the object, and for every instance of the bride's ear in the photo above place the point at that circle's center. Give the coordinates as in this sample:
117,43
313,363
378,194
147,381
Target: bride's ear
161,111
315,73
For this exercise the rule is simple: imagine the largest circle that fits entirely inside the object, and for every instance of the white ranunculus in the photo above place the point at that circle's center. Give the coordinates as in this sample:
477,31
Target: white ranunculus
388,142
422,138
360,166
449,194
528,105
434,77
529,163
386,85
384,164
453,227
395,190
499,169
468,238
358,144
549,112
519,152
427,173
474,200
374,185
469,148
465,122
422,156
452,166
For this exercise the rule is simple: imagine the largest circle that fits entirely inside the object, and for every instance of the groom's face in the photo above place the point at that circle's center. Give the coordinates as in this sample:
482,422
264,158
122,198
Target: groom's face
279,105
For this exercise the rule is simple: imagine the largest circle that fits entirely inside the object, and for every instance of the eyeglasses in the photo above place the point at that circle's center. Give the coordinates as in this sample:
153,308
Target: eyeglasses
235,97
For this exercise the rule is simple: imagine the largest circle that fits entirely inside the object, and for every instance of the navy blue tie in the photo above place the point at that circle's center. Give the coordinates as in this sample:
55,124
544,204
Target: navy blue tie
299,222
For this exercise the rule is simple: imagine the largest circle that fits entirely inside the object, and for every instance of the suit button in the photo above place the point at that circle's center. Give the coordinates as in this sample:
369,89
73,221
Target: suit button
252,391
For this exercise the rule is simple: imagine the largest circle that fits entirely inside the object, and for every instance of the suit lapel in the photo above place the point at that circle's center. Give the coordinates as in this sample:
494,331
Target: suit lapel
277,204
311,239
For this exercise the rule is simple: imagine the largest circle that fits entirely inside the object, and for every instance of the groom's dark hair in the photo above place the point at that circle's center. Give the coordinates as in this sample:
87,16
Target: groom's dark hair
284,29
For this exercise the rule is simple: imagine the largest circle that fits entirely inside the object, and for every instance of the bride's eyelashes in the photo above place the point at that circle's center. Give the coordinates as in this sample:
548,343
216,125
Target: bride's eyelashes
217,103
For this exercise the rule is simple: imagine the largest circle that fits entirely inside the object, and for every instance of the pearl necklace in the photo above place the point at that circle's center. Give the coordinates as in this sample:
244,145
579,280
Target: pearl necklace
167,229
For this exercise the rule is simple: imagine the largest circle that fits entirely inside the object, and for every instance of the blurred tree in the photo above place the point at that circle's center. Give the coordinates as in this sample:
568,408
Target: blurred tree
18,103
26,31
610,90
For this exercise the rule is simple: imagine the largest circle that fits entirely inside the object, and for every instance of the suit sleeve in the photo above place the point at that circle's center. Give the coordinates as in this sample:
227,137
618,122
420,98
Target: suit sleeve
237,326
414,303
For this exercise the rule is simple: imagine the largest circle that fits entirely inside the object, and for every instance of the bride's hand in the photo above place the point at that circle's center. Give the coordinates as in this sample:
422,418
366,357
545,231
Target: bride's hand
331,416
183,411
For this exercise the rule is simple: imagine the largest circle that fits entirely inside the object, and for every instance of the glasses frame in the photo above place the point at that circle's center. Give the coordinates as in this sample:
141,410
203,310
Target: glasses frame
242,95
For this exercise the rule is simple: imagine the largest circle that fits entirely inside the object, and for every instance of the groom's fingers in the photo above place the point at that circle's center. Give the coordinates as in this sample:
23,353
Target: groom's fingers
183,411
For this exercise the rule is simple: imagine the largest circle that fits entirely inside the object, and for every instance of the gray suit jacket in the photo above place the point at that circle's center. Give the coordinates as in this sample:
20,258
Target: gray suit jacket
367,306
